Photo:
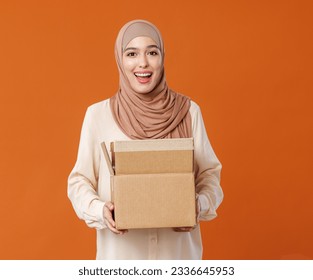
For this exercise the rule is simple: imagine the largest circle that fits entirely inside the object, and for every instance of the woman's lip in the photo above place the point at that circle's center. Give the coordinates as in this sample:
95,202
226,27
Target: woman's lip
143,80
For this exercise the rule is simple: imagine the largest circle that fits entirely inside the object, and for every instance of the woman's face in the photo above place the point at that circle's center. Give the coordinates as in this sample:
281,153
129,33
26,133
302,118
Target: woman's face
142,63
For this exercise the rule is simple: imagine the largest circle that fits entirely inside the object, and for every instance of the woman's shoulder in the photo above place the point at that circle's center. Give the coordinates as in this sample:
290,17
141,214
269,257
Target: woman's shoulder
194,108
99,108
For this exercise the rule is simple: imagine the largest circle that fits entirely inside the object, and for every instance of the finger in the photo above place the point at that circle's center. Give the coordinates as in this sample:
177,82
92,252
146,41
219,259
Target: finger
117,231
109,219
179,229
111,225
108,216
109,205
183,229
113,229
198,210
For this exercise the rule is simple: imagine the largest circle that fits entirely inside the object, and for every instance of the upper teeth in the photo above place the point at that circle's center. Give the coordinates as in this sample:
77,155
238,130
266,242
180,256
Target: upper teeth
143,74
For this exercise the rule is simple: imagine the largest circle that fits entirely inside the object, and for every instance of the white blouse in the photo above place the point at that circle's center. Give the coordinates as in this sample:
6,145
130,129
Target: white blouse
89,188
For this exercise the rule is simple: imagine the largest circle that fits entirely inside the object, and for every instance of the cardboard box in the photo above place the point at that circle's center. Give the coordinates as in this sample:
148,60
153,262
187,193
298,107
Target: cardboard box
153,156
152,183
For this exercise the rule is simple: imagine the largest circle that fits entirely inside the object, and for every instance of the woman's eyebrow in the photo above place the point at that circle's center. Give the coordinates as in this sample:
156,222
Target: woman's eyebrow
148,47
153,46
130,48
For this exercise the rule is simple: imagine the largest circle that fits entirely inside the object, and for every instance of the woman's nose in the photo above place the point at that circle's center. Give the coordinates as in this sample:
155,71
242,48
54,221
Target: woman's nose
143,61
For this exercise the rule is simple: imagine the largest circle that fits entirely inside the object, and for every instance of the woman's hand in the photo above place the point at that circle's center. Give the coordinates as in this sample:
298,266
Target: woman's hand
184,229
108,218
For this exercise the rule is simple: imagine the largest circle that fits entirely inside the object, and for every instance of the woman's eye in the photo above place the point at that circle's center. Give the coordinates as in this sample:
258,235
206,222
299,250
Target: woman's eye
153,53
131,54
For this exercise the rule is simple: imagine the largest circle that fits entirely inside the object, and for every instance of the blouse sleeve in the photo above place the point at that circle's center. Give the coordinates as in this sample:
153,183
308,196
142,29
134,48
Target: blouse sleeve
82,181
207,171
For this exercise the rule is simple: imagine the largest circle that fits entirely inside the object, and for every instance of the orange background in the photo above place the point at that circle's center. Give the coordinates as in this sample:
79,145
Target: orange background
248,64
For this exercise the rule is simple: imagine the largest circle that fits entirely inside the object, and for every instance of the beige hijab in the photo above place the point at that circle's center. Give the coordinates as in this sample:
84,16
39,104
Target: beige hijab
161,113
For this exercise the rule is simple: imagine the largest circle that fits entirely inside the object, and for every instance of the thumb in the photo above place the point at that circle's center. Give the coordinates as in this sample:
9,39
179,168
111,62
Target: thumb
109,205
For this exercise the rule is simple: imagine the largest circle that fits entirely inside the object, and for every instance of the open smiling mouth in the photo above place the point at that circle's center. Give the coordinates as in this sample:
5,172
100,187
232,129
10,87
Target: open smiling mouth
143,77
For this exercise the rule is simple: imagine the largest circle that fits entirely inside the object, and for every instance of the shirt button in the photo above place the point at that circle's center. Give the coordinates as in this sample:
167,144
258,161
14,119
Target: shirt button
153,240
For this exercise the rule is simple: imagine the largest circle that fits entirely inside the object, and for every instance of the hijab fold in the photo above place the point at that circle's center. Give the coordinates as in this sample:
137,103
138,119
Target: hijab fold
161,113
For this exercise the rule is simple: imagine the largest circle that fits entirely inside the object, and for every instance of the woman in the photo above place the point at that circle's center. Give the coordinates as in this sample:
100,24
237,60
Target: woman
143,108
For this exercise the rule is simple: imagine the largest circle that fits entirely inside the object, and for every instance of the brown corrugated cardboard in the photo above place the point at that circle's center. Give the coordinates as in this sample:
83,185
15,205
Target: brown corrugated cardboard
153,156
153,162
152,183
154,200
